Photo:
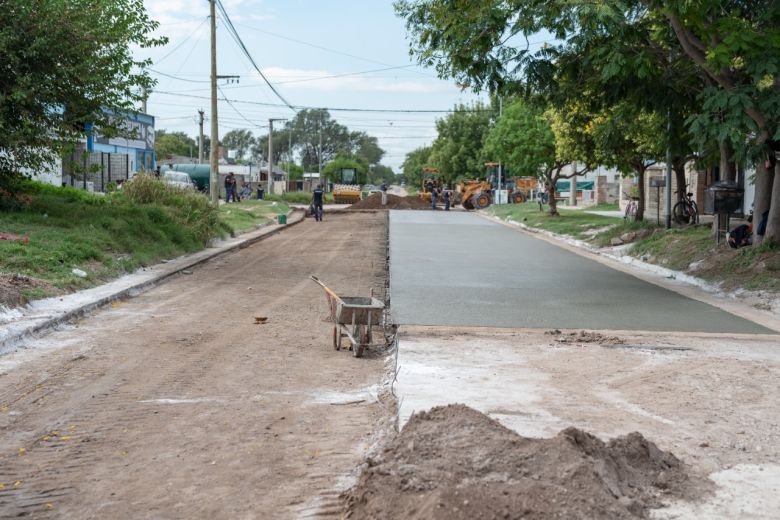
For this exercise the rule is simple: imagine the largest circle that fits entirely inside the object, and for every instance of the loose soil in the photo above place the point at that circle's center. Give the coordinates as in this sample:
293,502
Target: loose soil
454,462
12,287
174,404
374,201
584,336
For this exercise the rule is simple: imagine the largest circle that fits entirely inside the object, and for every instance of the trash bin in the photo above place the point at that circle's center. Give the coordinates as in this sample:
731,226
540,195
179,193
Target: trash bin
724,197
260,193
282,219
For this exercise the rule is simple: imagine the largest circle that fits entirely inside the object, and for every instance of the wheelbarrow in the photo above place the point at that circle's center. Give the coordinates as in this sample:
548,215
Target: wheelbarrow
352,317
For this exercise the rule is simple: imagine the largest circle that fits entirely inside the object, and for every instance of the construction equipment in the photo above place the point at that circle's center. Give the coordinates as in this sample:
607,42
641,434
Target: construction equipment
475,194
349,189
353,317
430,181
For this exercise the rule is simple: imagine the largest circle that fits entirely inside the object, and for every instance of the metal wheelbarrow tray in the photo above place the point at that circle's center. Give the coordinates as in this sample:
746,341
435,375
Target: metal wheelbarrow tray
353,317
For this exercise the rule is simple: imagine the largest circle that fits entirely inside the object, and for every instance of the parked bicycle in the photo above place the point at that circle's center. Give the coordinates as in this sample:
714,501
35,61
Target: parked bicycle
686,211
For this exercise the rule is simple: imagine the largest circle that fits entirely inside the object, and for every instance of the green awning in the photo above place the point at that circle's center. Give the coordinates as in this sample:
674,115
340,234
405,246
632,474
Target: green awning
565,185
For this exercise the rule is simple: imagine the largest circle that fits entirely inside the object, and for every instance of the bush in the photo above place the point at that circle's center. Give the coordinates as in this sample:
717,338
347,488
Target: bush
296,197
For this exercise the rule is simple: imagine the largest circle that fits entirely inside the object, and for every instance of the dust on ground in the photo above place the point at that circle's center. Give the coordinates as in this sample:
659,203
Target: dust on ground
374,201
12,287
454,462
175,404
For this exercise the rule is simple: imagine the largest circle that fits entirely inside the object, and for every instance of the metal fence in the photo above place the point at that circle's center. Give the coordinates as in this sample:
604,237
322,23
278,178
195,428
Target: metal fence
96,170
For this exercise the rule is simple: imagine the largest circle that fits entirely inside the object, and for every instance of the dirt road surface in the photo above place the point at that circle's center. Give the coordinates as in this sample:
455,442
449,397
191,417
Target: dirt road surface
176,405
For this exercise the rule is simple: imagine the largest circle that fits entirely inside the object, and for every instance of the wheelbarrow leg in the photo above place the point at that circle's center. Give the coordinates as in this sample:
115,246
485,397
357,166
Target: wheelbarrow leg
336,337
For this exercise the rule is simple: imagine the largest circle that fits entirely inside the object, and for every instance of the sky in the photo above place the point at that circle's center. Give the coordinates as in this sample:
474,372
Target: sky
296,44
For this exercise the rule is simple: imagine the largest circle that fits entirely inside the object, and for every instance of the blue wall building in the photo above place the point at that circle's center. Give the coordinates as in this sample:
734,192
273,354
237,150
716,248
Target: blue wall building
140,147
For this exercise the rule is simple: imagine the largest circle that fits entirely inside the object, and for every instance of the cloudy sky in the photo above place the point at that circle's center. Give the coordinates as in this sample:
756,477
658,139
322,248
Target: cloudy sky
317,53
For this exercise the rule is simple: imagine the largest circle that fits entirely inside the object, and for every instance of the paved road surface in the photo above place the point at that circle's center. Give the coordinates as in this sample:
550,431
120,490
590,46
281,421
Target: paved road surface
460,269
175,404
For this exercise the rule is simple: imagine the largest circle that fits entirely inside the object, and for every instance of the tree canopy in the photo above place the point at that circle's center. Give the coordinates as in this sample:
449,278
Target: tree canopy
65,63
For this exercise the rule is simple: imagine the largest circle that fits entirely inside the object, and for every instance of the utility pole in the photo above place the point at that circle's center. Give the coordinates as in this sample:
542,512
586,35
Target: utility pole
271,153
200,137
214,151
145,94
500,167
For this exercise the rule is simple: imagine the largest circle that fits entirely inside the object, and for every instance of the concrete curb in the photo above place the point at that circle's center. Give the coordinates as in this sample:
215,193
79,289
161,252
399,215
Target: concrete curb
81,303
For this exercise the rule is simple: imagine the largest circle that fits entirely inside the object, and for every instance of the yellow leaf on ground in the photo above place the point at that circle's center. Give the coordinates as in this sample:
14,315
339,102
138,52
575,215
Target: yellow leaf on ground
22,450
17,483
49,506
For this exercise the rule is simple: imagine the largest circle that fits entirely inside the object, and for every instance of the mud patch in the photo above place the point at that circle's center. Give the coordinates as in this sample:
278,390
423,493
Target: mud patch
12,287
374,201
584,336
456,463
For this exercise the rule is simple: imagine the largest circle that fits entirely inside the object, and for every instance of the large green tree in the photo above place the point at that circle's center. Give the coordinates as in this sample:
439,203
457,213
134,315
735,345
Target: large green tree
734,46
167,144
64,63
240,140
457,151
414,164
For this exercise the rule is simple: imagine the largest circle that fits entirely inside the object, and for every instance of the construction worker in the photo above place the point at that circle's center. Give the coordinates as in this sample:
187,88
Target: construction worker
433,198
316,202
446,200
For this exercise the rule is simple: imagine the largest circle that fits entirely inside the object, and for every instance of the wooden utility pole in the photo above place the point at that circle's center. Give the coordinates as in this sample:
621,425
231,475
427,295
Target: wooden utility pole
200,137
270,156
214,149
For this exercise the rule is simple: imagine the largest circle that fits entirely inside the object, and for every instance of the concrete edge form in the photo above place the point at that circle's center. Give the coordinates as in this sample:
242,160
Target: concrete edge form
167,271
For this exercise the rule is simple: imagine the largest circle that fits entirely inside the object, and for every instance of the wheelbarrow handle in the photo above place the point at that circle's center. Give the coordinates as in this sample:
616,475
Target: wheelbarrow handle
327,289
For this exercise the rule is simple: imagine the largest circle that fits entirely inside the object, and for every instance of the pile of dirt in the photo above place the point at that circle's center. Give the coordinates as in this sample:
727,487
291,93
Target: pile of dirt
12,285
374,201
456,463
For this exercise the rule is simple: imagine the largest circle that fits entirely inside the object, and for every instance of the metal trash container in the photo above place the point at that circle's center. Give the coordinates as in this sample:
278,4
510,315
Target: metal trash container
724,197
282,219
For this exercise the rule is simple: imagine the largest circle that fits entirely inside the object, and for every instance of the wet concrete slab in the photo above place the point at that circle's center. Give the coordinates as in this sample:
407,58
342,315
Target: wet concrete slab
459,269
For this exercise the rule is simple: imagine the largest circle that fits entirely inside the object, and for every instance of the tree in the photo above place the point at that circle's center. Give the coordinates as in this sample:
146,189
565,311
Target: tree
167,144
332,171
65,64
238,140
631,141
317,137
294,171
539,143
457,151
367,147
380,173
414,163
734,45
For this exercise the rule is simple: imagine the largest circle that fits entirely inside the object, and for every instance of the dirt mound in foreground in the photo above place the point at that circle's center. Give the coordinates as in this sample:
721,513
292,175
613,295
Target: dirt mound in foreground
374,201
13,286
456,463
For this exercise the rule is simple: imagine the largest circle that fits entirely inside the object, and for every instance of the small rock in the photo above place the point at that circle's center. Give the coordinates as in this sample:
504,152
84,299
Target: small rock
625,502
628,237
704,445
78,272
186,271
616,242
163,261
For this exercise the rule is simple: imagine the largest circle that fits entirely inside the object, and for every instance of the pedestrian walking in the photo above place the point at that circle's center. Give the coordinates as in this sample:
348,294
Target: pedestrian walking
230,188
447,200
316,202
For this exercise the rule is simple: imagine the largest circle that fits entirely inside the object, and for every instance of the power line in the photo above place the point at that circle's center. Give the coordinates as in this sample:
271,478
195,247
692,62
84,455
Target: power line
236,110
184,40
330,109
234,34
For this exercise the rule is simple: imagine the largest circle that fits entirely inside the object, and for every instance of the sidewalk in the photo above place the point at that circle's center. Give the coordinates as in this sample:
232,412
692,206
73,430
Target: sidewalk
41,316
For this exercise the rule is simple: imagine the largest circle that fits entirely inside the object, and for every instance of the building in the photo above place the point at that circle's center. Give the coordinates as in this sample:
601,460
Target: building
139,147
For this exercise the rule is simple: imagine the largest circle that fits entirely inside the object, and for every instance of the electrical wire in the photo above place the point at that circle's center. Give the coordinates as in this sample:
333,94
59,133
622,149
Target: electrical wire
184,40
330,109
237,38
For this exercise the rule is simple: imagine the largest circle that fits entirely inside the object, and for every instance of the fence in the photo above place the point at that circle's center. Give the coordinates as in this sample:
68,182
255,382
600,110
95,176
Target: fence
95,170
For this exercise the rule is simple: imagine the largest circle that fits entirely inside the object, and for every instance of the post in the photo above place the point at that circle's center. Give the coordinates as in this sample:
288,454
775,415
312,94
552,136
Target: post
102,173
573,186
200,138
214,152
270,156
145,95
500,166
668,188
109,167
127,166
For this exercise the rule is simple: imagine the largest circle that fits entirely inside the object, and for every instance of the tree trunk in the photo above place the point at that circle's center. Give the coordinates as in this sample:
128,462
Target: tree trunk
640,206
550,185
728,172
773,223
679,177
762,198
